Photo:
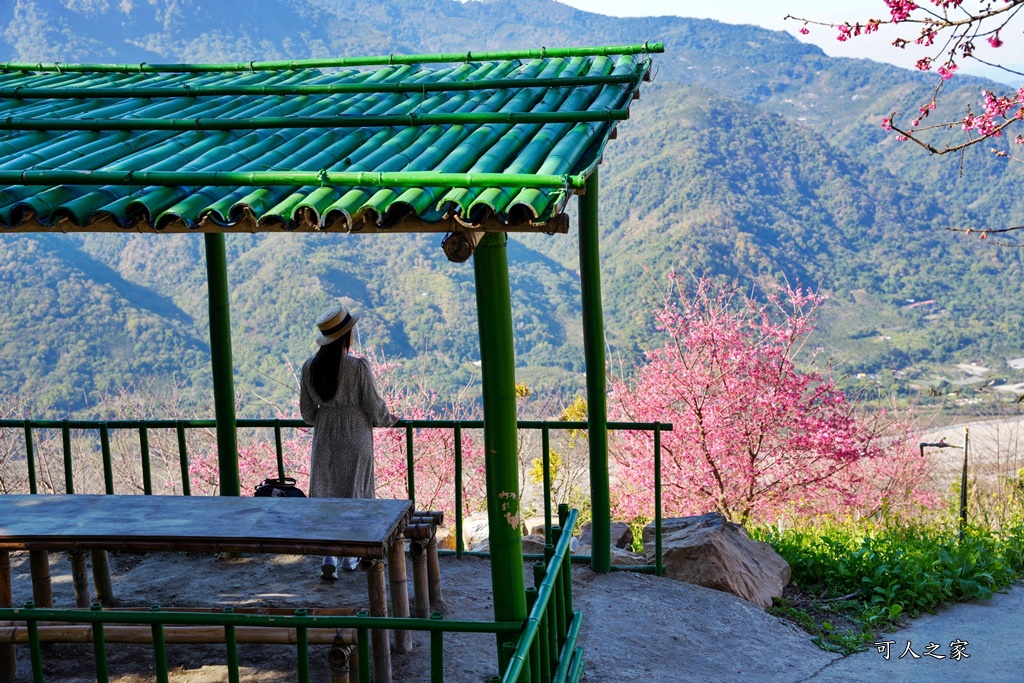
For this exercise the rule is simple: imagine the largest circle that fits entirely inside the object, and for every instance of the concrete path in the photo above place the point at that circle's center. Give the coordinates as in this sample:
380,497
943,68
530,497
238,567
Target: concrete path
988,636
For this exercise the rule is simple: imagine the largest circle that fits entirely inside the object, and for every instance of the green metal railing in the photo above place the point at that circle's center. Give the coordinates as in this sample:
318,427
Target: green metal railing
180,426
362,623
547,647
544,646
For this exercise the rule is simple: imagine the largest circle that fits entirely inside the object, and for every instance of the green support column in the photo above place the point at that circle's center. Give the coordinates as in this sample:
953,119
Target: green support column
497,361
597,404
220,358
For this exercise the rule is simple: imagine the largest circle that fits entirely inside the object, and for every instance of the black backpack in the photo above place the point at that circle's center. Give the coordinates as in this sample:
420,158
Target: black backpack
279,488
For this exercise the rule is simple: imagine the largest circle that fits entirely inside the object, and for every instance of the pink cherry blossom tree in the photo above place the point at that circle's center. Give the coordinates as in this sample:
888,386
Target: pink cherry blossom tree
753,437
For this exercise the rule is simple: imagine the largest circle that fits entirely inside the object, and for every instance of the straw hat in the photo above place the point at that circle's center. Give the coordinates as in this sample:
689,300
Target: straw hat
333,323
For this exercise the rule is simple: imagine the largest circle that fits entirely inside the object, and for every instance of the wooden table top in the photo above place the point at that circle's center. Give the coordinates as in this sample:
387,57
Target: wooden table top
330,526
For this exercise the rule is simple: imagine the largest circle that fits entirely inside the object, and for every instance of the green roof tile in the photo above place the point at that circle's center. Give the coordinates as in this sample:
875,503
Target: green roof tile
280,145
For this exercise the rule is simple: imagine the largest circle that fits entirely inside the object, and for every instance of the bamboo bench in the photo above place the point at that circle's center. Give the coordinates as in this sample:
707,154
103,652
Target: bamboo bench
422,536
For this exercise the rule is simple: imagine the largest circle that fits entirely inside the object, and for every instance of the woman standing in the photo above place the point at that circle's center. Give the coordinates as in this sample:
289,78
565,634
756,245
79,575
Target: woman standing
339,398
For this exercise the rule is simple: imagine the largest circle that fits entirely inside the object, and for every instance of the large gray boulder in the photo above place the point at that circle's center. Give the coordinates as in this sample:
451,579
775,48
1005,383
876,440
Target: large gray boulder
535,525
619,556
709,551
475,532
533,543
621,535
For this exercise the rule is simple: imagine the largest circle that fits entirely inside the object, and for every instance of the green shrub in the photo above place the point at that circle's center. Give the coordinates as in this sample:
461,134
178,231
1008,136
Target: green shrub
875,573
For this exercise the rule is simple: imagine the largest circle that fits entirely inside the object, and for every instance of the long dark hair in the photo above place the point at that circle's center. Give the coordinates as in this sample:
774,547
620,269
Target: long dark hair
323,369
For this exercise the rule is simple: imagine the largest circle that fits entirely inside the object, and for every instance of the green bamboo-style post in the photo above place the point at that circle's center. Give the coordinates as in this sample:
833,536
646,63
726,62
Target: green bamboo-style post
302,647
159,649
147,473
108,467
497,361
99,647
231,644
30,458
545,444
8,663
69,475
411,470
220,358
278,449
659,561
458,490
363,649
35,647
597,405
179,428
436,651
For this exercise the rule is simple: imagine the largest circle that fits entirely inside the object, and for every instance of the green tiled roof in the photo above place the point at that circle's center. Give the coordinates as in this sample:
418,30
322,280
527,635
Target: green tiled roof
436,143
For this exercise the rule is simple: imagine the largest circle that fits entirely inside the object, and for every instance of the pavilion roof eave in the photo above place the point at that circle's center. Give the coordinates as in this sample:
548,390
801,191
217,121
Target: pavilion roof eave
556,224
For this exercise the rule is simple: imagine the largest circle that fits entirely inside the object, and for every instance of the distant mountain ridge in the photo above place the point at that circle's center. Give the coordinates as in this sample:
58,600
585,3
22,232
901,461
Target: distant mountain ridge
751,156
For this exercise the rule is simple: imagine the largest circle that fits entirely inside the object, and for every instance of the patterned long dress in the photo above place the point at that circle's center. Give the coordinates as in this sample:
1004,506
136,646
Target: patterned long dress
342,460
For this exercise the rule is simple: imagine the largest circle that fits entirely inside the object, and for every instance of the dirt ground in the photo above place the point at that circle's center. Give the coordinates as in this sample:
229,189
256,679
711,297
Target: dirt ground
636,627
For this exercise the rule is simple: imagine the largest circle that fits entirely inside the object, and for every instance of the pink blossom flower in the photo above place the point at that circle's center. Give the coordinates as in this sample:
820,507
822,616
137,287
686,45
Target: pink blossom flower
900,9
924,64
947,71
804,30
994,40
886,123
753,436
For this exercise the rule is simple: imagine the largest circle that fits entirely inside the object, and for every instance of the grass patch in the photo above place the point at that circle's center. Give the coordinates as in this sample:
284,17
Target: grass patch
853,580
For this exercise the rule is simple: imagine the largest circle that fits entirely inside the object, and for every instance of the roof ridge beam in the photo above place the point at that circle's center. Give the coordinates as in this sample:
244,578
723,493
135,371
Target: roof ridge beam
542,53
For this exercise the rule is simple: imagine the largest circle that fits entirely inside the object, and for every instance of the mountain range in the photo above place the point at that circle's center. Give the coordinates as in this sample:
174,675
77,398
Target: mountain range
751,156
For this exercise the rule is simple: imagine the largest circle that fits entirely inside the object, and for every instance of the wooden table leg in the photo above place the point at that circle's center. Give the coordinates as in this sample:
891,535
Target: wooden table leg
420,589
42,591
101,577
434,575
378,608
80,579
340,657
399,593
8,660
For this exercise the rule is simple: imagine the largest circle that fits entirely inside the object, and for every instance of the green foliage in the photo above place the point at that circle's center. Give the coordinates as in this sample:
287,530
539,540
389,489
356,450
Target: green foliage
752,157
537,467
875,573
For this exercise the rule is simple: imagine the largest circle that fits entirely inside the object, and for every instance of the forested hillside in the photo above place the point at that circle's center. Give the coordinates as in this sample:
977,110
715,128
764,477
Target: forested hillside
751,156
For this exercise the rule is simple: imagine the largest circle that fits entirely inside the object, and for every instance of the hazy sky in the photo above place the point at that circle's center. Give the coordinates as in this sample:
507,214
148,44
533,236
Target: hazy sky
769,14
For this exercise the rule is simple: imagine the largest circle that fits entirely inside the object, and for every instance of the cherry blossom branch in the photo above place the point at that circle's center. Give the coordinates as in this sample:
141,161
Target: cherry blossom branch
961,28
